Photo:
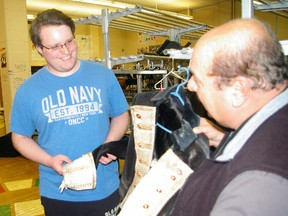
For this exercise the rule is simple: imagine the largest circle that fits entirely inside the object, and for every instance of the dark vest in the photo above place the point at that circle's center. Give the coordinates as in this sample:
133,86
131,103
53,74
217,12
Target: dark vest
266,150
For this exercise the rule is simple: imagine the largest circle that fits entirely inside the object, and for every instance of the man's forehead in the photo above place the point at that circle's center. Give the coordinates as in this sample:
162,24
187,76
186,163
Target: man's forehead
190,67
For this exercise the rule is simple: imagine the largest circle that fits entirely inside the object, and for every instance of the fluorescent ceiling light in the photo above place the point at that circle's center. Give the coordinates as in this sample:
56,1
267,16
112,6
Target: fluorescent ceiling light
107,3
76,8
257,3
30,16
183,16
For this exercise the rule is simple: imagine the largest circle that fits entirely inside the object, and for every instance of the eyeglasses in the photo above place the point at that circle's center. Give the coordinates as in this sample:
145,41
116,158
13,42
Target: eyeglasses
69,44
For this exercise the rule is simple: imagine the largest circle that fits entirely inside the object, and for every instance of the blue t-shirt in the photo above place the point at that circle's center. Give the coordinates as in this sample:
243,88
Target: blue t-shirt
72,117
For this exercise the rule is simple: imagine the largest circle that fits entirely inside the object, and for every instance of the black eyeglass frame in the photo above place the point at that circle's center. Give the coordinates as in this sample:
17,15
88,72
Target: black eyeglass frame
59,46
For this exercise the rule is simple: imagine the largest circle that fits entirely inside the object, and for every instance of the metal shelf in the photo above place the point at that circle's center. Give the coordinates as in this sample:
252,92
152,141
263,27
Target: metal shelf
139,74
279,7
147,21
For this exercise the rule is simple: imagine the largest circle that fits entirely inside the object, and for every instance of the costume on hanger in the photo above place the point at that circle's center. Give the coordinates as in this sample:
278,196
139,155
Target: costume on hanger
174,147
161,142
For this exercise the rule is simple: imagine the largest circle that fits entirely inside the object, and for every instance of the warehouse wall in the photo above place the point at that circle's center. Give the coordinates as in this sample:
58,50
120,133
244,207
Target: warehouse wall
226,10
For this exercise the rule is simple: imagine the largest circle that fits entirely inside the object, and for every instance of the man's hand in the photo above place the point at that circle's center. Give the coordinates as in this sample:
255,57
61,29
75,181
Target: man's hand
214,133
57,162
106,160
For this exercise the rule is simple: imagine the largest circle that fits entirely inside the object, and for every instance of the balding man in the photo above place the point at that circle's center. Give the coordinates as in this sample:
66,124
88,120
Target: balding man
240,75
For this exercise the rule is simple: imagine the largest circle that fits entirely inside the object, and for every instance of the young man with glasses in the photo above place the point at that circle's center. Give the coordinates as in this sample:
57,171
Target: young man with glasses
75,106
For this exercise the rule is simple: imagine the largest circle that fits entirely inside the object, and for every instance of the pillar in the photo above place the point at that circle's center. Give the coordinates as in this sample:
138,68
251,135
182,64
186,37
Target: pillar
14,52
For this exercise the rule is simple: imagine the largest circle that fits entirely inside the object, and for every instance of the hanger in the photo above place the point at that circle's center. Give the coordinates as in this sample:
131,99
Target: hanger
176,93
161,81
164,77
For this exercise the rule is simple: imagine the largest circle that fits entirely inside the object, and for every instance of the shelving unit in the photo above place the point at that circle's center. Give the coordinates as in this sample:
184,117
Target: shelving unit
279,7
150,74
139,76
151,22
272,6
147,21
155,23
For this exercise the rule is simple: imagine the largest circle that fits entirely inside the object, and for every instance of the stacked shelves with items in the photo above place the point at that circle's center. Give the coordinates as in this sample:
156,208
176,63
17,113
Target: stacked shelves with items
147,21
150,74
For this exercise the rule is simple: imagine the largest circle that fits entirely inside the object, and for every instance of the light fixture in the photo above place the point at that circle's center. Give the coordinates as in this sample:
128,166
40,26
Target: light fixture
107,3
257,3
182,16
75,9
30,17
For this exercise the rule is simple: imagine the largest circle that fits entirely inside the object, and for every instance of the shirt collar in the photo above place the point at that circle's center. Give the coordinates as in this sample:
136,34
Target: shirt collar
239,140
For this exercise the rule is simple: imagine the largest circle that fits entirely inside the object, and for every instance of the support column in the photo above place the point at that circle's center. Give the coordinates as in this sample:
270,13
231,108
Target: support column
14,52
247,9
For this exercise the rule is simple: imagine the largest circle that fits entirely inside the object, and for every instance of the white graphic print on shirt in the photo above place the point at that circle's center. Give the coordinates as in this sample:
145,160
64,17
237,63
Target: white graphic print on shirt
85,101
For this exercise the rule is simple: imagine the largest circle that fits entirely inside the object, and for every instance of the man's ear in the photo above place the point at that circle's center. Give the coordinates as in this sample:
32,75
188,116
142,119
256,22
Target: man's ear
39,50
240,91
